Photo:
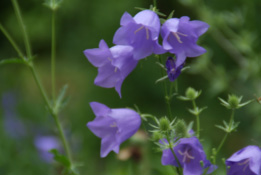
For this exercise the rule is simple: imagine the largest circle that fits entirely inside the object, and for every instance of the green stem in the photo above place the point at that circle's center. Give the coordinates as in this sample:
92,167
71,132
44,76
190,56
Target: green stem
63,138
226,135
13,43
53,55
167,96
25,35
39,84
178,169
197,118
43,93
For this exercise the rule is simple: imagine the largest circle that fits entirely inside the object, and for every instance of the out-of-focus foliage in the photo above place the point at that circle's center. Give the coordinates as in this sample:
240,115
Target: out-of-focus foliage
231,65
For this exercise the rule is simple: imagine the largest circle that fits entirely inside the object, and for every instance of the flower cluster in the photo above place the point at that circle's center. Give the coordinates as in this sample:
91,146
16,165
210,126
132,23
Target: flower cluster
137,38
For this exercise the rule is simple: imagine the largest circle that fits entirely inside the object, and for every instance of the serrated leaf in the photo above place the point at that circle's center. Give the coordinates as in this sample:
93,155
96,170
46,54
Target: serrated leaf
161,79
12,61
60,158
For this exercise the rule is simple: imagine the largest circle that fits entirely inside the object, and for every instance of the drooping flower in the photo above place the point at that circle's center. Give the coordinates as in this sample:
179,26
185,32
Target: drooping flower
180,37
44,144
113,126
189,153
141,32
245,161
114,64
172,69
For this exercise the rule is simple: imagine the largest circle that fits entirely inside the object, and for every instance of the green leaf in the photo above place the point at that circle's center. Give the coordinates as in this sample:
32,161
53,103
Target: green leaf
60,158
171,14
59,101
12,61
161,79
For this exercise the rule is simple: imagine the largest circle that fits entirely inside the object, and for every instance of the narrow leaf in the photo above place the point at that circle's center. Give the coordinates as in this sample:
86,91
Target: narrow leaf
161,79
12,61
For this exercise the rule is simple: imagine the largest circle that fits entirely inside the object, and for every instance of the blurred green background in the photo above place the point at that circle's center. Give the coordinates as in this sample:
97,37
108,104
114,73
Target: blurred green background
231,65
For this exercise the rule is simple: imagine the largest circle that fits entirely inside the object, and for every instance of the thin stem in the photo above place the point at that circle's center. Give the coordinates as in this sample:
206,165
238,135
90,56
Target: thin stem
25,35
63,138
53,55
54,115
39,84
43,93
167,97
225,136
197,118
11,40
178,169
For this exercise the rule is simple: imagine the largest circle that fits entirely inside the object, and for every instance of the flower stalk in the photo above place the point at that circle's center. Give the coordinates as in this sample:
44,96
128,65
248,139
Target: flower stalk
29,63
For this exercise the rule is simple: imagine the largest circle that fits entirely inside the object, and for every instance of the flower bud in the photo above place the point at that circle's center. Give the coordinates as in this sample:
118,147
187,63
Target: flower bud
181,129
234,101
156,136
164,124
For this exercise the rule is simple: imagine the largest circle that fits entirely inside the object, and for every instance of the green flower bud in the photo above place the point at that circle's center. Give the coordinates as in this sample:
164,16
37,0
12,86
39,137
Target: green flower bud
234,101
164,124
181,129
156,136
190,93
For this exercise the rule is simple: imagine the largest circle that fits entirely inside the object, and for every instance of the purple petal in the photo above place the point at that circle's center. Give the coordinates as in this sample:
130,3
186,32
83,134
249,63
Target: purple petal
126,19
107,76
100,110
98,56
108,144
128,122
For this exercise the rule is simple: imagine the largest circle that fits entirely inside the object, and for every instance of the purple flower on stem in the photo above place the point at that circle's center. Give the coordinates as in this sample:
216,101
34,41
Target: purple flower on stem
114,64
141,32
180,37
44,144
190,154
172,69
113,126
245,161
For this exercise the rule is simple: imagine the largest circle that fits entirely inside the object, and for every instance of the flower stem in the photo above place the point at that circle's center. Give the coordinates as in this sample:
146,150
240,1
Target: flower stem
23,27
197,118
13,43
167,96
178,169
225,136
37,80
53,54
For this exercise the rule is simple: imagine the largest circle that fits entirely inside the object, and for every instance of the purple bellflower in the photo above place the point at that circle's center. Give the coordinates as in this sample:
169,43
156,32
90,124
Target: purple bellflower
113,126
114,64
172,69
44,144
180,37
190,153
141,32
245,161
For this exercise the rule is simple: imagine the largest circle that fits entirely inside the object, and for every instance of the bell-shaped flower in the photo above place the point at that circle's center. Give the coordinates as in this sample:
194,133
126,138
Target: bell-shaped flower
190,155
180,37
113,126
245,161
172,70
114,64
141,32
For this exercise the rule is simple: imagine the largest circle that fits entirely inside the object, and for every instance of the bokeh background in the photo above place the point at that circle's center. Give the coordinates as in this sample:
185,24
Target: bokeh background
231,65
